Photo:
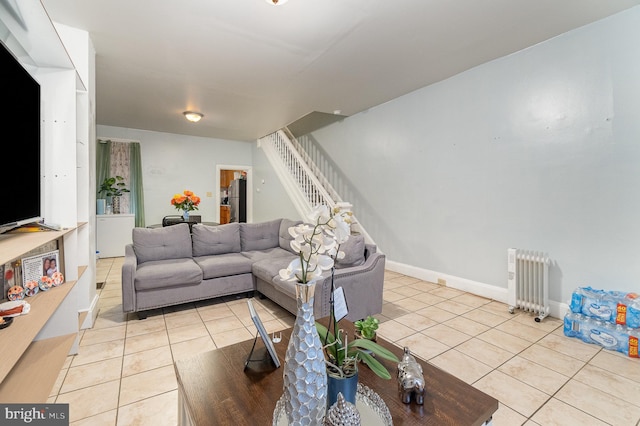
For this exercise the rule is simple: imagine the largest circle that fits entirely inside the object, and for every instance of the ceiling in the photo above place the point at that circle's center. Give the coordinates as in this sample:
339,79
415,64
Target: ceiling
252,68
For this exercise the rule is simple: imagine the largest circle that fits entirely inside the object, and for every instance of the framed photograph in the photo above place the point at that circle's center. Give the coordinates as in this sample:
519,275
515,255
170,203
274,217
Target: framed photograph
41,265
263,334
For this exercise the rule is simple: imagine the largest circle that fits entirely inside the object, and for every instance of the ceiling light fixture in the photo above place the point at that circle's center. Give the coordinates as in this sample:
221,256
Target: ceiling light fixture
277,2
194,117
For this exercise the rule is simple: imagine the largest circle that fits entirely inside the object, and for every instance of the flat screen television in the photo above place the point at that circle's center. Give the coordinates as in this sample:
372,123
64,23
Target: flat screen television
20,171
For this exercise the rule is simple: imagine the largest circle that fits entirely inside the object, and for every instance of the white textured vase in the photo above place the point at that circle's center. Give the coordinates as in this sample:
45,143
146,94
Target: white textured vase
305,372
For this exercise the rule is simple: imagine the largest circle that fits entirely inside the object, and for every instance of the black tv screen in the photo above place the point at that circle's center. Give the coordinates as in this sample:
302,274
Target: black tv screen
20,122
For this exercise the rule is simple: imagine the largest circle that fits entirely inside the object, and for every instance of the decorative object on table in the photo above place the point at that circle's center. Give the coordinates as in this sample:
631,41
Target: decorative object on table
31,288
347,386
187,201
271,351
410,379
45,283
114,187
14,308
305,372
371,407
101,206
305,377
366,328
343,355
15,293
342,413
57,278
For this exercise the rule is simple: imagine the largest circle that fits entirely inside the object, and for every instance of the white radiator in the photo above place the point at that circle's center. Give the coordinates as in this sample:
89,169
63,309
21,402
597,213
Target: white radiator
528,285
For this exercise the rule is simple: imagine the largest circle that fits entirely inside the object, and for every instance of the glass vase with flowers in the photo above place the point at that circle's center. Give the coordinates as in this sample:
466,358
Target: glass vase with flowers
187,201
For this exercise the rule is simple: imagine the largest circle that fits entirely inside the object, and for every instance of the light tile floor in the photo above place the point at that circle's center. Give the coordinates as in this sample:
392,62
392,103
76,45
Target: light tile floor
123,373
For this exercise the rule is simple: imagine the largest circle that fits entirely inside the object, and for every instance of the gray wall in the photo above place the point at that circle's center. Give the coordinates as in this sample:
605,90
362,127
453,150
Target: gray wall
537,150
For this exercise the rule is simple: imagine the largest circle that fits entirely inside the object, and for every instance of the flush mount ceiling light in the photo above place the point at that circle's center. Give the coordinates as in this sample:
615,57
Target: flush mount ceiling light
194,117
277,2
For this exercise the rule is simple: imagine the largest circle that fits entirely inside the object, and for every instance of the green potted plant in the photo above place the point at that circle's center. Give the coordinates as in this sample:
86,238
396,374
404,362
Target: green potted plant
342,357
114,187
367,327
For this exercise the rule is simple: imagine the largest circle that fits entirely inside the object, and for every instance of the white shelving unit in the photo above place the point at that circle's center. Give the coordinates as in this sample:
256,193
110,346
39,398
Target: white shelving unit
62,60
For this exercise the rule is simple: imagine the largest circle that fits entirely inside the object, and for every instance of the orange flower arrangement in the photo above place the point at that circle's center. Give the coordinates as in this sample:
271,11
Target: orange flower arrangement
186,201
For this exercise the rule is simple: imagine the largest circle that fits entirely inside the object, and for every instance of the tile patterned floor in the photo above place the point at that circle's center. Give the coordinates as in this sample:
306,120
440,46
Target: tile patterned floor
123,374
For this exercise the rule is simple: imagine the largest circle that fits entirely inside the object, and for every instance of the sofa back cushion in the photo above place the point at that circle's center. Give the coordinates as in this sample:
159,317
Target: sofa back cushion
171,242
353,252
208,240
284,238
259,236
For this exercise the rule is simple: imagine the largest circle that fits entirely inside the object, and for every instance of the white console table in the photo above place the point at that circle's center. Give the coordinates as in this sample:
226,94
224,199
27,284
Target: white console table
113,233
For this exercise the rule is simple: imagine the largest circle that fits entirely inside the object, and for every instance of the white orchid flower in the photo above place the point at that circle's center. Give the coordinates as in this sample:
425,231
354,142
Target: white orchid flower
325,263
290,271
319,214
317,243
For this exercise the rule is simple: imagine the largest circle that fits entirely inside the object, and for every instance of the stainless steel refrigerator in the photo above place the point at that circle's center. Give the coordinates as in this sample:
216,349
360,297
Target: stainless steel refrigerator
238,200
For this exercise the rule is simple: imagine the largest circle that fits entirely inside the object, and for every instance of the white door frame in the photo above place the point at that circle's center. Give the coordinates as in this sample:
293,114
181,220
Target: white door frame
249,171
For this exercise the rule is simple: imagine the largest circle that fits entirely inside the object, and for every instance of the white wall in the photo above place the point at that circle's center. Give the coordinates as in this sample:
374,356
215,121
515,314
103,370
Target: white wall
172,163
270,199
537,150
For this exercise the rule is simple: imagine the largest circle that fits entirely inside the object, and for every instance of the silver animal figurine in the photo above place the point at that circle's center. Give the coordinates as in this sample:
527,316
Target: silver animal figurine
410,379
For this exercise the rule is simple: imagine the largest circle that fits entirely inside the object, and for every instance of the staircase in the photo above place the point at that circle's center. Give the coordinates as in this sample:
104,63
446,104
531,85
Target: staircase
302,179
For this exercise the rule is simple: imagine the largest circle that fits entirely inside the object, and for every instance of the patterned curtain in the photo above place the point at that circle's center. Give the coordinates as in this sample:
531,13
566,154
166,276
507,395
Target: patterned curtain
123,159
120,166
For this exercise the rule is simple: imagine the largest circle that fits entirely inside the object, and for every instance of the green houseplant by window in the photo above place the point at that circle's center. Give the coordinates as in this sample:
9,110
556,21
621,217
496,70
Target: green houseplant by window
114,187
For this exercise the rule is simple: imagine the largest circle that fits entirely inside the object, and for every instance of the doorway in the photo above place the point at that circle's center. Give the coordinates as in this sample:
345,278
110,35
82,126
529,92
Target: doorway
230,208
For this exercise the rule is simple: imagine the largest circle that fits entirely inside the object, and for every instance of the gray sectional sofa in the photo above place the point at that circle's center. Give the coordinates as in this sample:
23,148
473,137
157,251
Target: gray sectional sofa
171,265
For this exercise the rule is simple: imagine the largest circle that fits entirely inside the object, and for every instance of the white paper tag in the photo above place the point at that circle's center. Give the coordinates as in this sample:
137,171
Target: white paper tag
339,304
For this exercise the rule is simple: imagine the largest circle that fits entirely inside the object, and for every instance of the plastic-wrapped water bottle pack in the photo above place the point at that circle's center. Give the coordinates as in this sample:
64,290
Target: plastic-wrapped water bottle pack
615,307
610,336
606,318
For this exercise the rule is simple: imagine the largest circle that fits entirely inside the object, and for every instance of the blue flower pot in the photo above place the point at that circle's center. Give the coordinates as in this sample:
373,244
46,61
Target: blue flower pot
347,386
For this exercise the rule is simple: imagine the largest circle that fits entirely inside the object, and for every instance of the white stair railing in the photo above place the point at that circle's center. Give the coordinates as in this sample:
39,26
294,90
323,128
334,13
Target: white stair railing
302,179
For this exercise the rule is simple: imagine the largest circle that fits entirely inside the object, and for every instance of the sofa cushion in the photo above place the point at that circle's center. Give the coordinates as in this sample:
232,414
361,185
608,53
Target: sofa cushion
284,238
259,236
210,240
268,269
271,253
353,252
171,242
156,274
223,265
285,286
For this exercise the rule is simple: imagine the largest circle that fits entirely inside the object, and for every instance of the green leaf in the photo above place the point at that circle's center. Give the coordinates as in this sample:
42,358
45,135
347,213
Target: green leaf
375,365
375,348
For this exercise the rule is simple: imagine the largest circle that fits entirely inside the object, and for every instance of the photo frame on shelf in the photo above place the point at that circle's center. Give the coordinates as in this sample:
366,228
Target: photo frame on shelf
36,267
263,335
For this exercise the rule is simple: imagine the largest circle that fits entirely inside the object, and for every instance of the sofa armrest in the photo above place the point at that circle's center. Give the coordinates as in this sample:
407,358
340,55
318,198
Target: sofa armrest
128,279
362,286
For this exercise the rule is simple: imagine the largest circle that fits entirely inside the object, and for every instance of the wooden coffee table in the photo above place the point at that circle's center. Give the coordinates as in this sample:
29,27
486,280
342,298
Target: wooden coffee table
214,389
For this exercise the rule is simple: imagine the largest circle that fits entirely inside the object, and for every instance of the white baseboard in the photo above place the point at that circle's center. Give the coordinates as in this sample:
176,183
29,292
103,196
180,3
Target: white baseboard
92,314
556,309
